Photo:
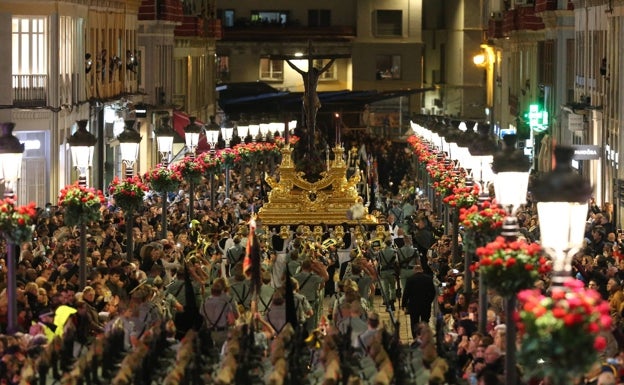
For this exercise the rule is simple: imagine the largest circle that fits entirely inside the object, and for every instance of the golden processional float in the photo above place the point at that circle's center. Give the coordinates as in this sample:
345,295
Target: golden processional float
293,200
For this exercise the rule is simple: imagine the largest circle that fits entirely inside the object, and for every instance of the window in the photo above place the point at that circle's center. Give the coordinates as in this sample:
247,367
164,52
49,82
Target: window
388,67
389,23
319,17
330,74
226,16
223,68
29,46
271,69
269,17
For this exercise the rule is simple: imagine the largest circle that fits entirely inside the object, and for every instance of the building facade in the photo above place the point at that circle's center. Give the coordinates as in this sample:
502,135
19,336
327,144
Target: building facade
65,61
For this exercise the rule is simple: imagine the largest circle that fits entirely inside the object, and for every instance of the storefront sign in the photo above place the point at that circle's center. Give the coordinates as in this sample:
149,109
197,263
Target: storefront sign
586,152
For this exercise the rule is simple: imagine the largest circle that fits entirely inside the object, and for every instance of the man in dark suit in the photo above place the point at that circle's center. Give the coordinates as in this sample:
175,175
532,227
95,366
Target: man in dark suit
418,296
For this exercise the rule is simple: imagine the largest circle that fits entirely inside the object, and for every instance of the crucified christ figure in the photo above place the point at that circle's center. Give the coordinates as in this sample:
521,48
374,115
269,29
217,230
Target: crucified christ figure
311,102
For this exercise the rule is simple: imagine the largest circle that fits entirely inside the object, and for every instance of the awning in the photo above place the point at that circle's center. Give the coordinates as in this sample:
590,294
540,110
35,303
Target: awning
181,120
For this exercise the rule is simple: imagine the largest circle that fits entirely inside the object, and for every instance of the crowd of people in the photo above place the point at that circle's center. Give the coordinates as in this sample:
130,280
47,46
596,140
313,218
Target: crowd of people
195,278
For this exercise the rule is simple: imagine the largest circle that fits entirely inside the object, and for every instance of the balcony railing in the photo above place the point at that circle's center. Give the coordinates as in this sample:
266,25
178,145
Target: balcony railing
30,90
287,32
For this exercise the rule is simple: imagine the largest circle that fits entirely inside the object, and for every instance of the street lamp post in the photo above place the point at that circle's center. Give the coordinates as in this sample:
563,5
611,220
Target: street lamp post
227,130
510,183
212,137
242,130
11,151
254,129
481,151
562,197
129,140
191,138
164,136
82,143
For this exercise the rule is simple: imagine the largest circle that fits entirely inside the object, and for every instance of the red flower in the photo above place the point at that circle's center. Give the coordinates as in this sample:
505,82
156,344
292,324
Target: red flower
559,312
600,343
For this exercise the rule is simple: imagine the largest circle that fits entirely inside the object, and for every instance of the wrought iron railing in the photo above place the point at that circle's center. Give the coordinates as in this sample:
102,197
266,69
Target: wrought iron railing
30,90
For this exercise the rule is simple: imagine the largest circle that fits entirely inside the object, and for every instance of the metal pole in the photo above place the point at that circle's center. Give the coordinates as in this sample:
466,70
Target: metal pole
483,306
163,215
82,262
467,275
510,342
11,288
191,200
212,191
82,274
129,239
227,181
454,217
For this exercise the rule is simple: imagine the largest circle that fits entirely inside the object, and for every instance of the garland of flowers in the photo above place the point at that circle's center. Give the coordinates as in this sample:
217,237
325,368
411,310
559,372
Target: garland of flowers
128,193
510,266
228,157
163,179
210,164
82,205
463,196
564,329
191,169
16,221
481,224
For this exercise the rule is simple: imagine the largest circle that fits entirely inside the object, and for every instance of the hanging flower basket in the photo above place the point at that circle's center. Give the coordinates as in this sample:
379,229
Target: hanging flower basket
462,196
210,164
510,266
191,169
228,157
128,193
561,333
481,225
82,205
16,222
163,179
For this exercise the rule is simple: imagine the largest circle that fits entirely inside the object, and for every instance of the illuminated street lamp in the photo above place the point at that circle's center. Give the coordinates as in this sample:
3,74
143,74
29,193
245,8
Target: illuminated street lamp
562,197
481,151
81,145
265,127
227,130
254,129
242,129
164,137
11,151
191,136
212,137
510,183
129,140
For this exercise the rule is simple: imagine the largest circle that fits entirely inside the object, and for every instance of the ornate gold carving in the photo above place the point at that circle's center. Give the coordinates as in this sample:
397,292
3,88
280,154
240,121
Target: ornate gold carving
294,200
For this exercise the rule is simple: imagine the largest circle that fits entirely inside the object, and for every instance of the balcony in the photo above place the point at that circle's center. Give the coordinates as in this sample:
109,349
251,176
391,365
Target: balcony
495,28
509,21
194,26
545,5
167,10
272,32
521,18
30,90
